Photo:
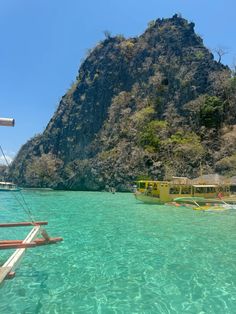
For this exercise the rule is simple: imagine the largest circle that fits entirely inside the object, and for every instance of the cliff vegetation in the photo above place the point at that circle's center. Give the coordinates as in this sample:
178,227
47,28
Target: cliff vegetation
153,106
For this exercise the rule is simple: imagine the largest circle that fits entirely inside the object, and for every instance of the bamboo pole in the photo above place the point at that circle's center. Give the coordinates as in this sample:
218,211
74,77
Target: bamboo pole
23,224
15,258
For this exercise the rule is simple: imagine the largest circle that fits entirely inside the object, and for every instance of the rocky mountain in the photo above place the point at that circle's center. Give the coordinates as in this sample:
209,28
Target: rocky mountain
153,106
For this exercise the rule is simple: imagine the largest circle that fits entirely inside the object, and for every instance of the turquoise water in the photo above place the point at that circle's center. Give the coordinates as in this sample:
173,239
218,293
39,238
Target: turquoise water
121,256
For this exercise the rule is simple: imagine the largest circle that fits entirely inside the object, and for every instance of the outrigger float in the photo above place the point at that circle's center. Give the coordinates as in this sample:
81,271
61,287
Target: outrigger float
201,203
7,270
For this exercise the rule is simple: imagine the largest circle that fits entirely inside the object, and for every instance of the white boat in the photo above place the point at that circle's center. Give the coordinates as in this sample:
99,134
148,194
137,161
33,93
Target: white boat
8,187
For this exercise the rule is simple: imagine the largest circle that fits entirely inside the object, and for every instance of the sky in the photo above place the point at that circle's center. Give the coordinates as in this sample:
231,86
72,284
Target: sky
43,42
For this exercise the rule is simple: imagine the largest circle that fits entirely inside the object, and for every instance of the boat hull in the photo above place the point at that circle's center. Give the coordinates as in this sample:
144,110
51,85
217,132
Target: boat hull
148,199
230,200
202,201
9,190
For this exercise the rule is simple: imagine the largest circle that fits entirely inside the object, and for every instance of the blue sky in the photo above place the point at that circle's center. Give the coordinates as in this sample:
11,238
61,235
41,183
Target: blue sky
44,42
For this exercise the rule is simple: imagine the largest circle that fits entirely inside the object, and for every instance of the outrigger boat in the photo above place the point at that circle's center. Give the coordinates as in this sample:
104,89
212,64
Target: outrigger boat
182,190
7,270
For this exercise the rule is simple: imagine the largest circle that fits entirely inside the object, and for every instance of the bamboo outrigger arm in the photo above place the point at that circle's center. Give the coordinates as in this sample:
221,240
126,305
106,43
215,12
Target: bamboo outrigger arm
23,224
15,258
8,268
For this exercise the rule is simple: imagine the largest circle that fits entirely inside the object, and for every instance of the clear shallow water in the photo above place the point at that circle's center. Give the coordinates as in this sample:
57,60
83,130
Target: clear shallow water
121,256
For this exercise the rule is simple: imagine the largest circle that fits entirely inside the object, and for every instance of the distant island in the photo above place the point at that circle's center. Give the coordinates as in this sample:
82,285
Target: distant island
153,106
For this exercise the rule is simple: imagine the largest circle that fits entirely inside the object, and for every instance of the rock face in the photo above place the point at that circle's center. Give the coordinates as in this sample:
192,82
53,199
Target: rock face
151,106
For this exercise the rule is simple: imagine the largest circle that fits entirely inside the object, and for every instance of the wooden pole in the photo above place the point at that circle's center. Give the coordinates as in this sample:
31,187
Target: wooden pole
17,245
15,258
23,224
38,241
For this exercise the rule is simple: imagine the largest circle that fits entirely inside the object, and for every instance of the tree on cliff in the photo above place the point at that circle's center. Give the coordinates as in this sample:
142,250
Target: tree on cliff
43,171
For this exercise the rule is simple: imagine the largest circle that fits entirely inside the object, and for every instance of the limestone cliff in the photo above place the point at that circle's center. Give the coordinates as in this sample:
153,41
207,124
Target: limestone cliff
152,106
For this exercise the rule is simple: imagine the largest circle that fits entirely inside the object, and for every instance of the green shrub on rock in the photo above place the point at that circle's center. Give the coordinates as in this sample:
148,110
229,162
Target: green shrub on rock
211,112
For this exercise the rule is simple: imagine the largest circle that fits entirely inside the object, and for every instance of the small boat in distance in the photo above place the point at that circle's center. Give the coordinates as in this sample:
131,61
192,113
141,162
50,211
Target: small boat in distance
8,187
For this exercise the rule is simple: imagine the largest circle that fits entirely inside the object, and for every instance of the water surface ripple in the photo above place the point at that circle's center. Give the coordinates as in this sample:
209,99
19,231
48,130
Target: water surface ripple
121,256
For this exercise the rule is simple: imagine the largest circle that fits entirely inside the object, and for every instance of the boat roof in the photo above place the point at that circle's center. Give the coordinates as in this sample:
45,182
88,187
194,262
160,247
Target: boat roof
150,181
213,178
205,185
7,183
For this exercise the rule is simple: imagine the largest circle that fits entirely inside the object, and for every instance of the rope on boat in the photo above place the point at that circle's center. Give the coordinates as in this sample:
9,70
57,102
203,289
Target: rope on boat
21,202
